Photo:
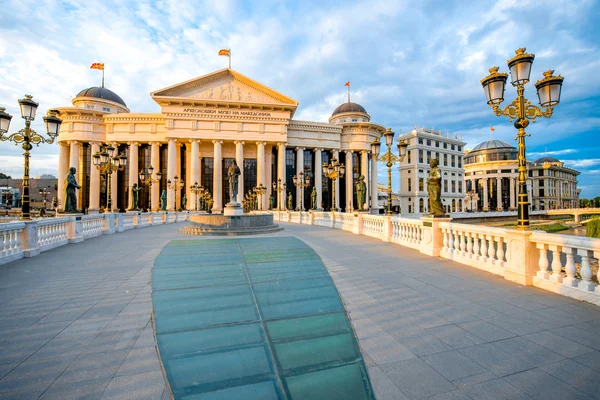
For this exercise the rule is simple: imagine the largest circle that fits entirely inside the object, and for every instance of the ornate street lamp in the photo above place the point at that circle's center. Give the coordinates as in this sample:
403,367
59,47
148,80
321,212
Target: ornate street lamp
28,137
260,190
176,185
302,182
148,180
196,189
44,192
107,160
521,109
389,158
334,171
279,187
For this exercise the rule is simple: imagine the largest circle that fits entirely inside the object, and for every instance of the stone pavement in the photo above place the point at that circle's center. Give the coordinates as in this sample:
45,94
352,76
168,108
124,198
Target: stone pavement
74,323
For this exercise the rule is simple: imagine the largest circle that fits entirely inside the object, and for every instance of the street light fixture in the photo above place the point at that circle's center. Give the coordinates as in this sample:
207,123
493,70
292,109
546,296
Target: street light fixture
148,180
44,193
389,158
260,190
302,182
28,137
107,160
334,171
176,185
196,189
279,187
521,109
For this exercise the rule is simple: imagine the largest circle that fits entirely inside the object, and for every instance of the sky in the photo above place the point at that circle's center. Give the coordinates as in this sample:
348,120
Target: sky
410,63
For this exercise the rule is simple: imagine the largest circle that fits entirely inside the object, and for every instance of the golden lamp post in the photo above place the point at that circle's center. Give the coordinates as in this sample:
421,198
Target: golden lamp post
147,179
108,161
302,182
389,159
197,189
260,190
279,187
334,171
548,91
27,138
175,185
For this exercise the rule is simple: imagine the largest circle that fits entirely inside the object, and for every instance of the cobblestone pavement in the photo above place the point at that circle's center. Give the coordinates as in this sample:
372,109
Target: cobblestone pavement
75,323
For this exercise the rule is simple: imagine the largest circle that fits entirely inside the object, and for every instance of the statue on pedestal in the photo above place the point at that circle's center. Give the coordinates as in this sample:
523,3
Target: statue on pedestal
233,175
361,192
135,194
290,205
163,200
434,190
70,195
272,202
313,199
184,202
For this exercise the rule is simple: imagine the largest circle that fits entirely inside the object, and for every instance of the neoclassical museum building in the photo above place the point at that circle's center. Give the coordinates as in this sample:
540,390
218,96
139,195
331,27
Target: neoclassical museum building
203,125
492,180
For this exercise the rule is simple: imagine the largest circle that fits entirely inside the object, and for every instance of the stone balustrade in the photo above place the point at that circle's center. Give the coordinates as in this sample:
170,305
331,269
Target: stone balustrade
29,238
560,263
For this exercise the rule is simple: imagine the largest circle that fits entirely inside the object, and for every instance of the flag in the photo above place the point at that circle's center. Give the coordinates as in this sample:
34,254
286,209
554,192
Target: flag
224,52
347,84
97,66
492,128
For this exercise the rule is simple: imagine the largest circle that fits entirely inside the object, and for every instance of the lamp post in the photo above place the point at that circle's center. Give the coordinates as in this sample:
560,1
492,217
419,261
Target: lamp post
334,171
389,158
260,190
521,109
196,189
44,192
279,187
28,137
302,182
107,160
148,180
176,185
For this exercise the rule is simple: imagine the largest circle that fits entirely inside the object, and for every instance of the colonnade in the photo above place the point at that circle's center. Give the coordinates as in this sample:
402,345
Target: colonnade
486,195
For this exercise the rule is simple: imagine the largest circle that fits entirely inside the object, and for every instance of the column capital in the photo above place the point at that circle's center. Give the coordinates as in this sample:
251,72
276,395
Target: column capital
94,142
261,143
239,142
318,149
72,142
215,141
172,139
279,144
114,144
154,143
365,152
195,140
349,151
300,148
133,143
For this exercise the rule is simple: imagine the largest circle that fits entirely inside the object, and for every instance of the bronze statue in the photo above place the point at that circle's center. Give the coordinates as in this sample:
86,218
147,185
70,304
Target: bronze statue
272,202
70,193
233,175
361,192
135,194
434,189
290,205
313,199
184,202
163,200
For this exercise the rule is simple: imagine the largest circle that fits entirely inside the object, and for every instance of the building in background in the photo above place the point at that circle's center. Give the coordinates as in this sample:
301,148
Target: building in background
553,185
36,200
424,144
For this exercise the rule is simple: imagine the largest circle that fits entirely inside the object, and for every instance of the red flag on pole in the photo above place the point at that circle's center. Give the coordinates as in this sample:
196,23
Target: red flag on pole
347,84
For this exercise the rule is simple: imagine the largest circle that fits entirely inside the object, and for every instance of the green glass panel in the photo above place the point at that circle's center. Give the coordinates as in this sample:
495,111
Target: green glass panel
272,311
313,326
342,383
255,391
194,320
202,304
199,293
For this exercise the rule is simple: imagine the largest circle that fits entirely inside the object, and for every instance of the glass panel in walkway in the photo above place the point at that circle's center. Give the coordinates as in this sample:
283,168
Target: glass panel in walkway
253,319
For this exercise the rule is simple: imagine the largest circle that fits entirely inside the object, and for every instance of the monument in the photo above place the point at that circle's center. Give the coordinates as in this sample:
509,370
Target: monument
313,199
70,192
361,193
135,194
163,200
434,190
233,175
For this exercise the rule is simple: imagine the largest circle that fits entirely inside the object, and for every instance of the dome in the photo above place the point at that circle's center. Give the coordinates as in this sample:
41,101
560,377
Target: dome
492,144
101,93
546,159
349,107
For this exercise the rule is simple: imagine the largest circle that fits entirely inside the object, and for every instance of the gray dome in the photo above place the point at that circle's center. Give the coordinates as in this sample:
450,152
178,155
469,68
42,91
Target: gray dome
546,159
349,107
101,93
492,144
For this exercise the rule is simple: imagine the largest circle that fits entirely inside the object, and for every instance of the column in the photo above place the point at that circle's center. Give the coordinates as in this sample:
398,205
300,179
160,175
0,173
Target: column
194,156
336,155
268,176
239,159
178,173
499,205
63,170
155,163
217,177
349,181
374,194
299,168
260,171
364,171
133,170
171,172
74,163
94,181
319,177
114,184
281,174
512,193
485,194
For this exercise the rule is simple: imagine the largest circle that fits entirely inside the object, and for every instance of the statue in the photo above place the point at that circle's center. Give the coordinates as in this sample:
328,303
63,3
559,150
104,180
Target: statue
434,189
361,192
70,187
272,202
135,194
313,199
290,206
184,202
233,175
163,200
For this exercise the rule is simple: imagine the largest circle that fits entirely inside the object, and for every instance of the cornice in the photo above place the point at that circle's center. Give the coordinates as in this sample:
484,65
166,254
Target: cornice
226,117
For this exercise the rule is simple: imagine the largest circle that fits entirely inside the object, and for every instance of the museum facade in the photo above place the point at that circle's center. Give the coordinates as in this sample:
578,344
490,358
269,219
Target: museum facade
203,125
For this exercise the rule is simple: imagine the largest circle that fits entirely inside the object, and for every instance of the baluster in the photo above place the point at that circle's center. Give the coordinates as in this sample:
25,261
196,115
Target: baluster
456,242
12,244
597,257
491,248
445,239
4,244
450,241
543,261
462,243
556,264
586,271
17,234
500,252
483,248
469,238
570,268
475,246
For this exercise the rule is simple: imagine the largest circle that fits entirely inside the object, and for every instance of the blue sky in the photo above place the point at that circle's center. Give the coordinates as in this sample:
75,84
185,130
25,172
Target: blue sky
410,62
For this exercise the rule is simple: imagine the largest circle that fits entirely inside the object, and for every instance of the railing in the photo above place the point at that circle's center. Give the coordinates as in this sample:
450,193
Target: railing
295,217
51,233
345,221
92,225
10,233
407,232
128,222
374,226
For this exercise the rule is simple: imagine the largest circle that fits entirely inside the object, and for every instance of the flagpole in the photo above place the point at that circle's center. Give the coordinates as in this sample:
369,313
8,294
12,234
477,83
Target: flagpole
102,77
348,93
229,58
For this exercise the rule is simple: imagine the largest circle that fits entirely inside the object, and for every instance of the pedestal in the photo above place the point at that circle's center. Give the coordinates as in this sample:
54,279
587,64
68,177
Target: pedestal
233,209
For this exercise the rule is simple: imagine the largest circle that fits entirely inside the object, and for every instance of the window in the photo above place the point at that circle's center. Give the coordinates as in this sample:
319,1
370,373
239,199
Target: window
421,156
428,142
541,183
354,120
105,109
410,184
420,140
421,184
445,186
459,148
89,106
451,147
459,161
453,164
459,187
428,157
453,186
445,145
541,192
445,160
453,174
437,144
420,171
408,154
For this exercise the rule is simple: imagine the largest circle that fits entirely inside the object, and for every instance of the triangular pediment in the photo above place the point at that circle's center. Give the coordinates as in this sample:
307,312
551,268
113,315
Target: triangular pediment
224,86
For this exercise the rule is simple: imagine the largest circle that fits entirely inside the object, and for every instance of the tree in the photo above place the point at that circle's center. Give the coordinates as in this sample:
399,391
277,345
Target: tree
4,176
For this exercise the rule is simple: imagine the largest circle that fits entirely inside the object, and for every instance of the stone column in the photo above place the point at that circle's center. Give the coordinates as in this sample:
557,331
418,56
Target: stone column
171,171
512,193
319,176
349,181
155,163
178,173
485,194
133,169
74,163
94,182
336,155
499,205
189,180
299,168
195,167
217,177
374,194
239,159
364,171
281,174
268,172
63,170
260,171
114,184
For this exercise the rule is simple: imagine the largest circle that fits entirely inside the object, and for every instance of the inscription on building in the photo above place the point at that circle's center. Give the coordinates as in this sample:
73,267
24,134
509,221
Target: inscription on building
226,112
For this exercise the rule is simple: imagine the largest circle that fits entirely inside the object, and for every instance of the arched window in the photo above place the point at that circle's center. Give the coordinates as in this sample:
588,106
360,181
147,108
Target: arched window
453,205
421,205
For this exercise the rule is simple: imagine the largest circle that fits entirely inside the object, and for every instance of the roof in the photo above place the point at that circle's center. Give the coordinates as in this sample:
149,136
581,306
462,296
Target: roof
546,159
492,144
101,93
349,107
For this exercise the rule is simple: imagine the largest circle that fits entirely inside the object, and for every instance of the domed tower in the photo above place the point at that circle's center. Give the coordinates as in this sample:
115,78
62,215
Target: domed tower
100,99
349,112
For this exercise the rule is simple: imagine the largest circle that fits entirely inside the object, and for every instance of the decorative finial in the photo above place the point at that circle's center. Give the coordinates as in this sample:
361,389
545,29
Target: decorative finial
494,69
548,73
28,96
520,51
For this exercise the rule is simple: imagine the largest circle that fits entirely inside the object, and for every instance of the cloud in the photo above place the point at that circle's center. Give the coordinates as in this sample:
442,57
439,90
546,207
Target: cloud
582,163
552,153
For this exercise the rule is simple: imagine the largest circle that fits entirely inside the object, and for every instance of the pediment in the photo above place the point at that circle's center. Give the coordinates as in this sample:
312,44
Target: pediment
225,86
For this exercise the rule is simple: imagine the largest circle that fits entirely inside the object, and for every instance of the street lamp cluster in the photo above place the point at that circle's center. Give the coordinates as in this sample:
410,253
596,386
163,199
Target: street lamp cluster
302,181
107,160
389,158
175,185
148,179
334,171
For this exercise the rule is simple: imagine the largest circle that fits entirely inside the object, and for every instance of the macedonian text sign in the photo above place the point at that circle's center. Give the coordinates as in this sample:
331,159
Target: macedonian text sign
240,113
